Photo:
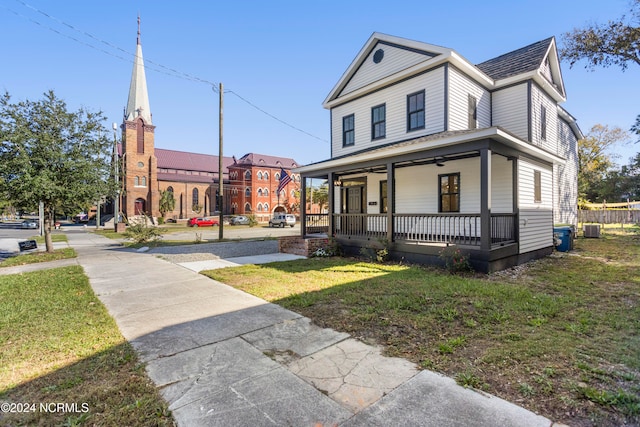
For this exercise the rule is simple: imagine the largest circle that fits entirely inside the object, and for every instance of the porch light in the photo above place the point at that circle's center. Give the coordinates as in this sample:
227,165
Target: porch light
337,183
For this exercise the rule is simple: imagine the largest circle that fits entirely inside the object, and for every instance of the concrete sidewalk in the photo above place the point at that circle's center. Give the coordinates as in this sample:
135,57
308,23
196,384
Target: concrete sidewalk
222,357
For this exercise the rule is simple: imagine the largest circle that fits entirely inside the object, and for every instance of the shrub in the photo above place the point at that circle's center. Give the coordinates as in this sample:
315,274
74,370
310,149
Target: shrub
142,232
454,260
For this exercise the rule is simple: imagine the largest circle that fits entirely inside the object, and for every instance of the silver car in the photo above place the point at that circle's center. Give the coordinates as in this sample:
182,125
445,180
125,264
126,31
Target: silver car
29,224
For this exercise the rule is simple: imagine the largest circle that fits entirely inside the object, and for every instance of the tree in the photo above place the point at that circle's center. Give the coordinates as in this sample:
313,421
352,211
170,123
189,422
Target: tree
52,156
167,202
615,43
593,160
318,195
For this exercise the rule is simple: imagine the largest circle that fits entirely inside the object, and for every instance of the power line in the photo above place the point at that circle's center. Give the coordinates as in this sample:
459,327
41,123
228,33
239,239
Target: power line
161,68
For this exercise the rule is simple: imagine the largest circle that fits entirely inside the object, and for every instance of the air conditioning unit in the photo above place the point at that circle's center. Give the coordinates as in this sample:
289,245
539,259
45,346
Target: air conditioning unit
591,230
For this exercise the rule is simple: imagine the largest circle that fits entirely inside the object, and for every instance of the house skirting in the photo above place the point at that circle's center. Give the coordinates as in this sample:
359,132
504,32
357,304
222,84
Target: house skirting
298,245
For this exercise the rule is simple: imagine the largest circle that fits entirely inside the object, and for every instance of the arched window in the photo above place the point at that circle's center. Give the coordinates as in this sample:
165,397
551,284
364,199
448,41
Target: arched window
136,181
247,175
266,192
259,192
140,135
259,207
195,197
266,207
293,194
170,189
247,208
144,181
260,175
277,176
247,192
266,176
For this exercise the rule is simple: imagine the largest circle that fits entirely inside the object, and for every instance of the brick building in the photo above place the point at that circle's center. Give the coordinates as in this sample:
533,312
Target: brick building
250,183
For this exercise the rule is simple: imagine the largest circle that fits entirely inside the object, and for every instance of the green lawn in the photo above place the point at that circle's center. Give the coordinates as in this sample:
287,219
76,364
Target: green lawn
59,344
559,336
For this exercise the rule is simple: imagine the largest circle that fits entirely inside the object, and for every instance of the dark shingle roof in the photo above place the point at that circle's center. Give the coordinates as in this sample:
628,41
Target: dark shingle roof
523,60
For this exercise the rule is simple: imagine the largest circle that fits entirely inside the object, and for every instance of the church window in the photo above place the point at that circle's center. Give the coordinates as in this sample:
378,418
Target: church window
195,196
144,181
247,175
259,192
247,208
247,192
140,136
136,181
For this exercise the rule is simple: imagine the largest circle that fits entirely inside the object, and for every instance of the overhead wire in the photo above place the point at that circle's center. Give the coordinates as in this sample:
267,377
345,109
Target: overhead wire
157,67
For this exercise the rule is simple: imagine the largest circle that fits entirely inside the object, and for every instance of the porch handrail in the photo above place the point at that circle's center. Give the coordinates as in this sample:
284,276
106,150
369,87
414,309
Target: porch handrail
316,223
452,228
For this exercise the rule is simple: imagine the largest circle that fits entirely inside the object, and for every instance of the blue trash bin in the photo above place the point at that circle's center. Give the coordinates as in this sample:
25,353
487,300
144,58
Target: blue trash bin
563,238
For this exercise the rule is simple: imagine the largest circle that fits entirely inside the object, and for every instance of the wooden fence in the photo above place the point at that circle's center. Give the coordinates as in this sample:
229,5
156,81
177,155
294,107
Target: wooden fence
610,216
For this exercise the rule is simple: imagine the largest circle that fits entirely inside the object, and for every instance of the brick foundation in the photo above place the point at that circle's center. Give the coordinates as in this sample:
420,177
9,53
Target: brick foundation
297,245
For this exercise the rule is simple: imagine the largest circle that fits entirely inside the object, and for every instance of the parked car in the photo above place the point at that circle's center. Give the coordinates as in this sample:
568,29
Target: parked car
202,222
239,220
280,220
29,224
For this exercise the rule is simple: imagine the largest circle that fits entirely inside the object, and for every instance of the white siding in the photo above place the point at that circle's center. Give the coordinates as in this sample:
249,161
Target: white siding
510,110
565,178
501,185
536,218
538,99
460,87
395,59
395,98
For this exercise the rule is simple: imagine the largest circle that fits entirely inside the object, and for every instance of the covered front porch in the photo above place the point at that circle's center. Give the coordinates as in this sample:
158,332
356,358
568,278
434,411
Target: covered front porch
416,198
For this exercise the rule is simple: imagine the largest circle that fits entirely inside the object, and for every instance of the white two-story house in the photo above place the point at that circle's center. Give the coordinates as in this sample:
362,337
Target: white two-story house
429,150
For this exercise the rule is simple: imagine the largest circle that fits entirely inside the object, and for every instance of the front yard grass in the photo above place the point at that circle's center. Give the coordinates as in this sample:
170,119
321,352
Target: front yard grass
58,345
559,336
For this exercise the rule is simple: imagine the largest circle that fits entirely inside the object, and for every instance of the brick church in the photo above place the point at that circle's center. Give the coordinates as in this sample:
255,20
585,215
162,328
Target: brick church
250,183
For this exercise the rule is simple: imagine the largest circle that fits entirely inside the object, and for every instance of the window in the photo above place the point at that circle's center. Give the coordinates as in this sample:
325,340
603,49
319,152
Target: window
266,207
415,111
247,192
449,192
543,122
277,176
170,189
348,130
266,192
144,181
537,187
247,208
383,197
378,122
195,195
266,176
473,112
260,175
136,181
259,208
247,175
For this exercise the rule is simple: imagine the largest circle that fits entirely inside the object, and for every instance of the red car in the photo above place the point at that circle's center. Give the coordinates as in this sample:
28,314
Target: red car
202,222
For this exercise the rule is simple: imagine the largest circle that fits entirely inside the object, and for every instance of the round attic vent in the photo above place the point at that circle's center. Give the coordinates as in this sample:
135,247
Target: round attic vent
377,57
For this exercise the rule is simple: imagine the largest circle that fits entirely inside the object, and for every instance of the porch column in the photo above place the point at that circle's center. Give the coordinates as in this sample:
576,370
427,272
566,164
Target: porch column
515,190
391,206
485,199
331,201
303,207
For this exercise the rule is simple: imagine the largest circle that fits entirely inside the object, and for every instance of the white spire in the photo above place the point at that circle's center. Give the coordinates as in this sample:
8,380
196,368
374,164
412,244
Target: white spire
138,102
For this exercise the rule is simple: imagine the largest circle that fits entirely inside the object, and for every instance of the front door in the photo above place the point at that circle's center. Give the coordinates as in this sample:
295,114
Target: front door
353,203
139,207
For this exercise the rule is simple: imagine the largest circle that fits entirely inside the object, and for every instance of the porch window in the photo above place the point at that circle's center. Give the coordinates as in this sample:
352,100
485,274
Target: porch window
415,111
348,130
383,197
537,187
473,112
543,123
449,192
378,122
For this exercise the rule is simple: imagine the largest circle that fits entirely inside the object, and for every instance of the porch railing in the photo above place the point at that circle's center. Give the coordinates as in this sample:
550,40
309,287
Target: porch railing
316,223
461,229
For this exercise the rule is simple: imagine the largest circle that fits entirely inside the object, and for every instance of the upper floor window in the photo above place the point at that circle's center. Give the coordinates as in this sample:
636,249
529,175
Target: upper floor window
348,130
473,112
247,192
260,175
259,192
143,181
449,192
378,122
537,187
543,122
247,175
415,111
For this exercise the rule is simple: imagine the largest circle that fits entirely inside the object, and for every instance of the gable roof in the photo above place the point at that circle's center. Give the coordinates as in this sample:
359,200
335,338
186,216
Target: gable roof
538,61
172,159
523,60
254,159
418,53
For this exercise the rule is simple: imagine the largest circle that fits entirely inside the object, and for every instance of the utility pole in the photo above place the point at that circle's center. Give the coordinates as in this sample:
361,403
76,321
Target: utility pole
116,173
220,172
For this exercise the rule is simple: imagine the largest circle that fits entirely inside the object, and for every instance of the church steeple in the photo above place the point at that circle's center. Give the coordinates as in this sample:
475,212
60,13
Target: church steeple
138,102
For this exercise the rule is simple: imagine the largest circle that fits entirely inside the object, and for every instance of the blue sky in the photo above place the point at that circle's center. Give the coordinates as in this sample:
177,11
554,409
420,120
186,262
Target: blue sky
282,56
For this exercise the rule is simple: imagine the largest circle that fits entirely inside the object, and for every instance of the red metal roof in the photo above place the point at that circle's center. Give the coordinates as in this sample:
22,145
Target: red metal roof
254,159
